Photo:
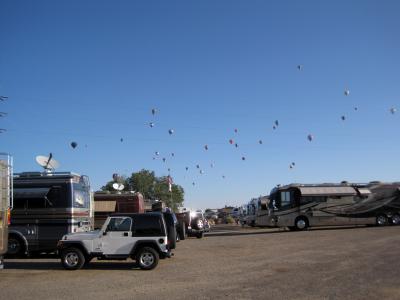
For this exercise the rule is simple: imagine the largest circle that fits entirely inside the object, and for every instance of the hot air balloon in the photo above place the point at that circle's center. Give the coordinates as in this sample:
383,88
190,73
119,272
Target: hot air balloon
212,165
201,172
173,154
343,118
193,183
198,166
170,131
346,92
276,123
223,176
393,110
243,158
206,147
164,159
153,111
274,127
231,141
74,145
236,145
187,168
260,142
300,67
355,108
310,137
151,124
169,170
157,153
121,140
236,131
293,164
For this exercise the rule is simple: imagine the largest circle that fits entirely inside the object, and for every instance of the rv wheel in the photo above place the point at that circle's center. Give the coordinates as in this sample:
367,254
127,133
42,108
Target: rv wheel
381,220
396,219
15,246
301,223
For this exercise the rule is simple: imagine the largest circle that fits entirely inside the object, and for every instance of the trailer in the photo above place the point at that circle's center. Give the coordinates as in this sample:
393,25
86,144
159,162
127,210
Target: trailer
107,203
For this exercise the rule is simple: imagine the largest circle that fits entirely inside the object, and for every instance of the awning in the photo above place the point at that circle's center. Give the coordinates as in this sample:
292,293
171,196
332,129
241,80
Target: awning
104,206
328,191
30,193
364,191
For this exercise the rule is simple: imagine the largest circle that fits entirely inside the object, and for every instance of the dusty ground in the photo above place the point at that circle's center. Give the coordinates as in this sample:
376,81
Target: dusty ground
234,263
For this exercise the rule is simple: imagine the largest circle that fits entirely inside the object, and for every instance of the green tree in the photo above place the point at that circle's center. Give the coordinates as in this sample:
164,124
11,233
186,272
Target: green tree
151,187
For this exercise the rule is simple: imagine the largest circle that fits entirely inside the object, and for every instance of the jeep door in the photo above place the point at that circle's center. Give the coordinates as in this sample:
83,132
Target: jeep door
117,237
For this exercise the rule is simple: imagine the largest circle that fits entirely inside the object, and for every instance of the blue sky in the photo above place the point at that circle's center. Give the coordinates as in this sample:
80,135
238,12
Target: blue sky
91,71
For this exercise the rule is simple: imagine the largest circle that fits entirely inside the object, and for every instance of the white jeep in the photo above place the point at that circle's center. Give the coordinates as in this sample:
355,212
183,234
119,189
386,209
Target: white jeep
142,237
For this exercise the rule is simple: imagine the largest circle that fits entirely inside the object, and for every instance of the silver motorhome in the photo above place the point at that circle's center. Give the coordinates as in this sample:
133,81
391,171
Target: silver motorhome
298,206
46,207
5,201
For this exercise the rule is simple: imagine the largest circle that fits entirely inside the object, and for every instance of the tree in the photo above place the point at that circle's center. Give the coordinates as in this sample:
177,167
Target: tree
151,187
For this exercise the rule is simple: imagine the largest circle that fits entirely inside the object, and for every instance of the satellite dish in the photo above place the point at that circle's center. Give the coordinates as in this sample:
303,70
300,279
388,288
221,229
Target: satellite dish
118,186
47,162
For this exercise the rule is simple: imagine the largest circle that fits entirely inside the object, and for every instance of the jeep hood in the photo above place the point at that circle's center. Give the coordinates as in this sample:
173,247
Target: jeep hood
79,236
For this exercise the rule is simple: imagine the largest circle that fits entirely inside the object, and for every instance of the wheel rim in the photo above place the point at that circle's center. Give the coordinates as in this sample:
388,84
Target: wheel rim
71,259
13,246
381,220
396,219
147,259
301,224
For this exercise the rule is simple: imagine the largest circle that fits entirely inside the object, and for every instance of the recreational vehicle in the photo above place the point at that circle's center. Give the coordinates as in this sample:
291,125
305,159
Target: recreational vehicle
298,206
47,206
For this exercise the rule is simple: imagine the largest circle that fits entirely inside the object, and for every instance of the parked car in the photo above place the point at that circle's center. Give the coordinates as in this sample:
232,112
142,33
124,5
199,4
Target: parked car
142,237
191,223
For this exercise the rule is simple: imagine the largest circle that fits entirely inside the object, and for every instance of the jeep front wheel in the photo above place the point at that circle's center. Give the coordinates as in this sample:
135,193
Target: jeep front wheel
147,258
72,258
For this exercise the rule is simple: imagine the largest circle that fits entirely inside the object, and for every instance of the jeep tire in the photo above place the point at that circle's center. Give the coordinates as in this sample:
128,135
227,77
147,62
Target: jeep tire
72,258
147,258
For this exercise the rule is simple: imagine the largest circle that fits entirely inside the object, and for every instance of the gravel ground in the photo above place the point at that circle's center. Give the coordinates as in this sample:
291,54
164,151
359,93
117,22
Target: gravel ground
231,262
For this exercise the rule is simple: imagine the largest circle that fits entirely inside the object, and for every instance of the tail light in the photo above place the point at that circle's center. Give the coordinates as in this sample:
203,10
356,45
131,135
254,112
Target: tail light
8,216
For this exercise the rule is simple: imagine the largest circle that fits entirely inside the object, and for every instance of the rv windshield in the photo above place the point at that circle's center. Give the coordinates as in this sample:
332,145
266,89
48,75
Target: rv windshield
81,196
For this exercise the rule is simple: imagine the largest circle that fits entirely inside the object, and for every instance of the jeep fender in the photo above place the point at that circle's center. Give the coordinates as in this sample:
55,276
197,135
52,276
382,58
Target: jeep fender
67,244
151,243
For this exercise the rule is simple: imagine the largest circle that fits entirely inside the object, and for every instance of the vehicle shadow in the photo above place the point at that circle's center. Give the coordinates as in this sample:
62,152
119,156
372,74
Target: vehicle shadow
258,231
23,264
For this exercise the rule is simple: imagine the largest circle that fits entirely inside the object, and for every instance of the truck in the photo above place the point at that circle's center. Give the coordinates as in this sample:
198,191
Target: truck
6,202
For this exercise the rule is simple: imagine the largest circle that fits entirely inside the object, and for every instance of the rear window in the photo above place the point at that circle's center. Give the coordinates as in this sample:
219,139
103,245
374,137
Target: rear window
148,226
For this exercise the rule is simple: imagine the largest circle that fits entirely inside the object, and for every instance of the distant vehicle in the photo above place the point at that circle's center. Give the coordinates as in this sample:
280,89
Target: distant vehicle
5,201
108,203
191,223
299,206
46,207
142,237
235,212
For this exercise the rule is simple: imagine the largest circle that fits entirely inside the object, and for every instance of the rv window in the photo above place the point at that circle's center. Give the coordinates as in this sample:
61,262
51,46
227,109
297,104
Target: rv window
285,199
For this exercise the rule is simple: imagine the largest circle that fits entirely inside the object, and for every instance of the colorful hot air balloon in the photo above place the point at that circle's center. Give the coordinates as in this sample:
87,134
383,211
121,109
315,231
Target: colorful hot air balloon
74,145
231,141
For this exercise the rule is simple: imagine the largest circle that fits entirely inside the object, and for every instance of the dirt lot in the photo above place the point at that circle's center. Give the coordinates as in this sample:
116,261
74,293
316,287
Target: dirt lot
235,263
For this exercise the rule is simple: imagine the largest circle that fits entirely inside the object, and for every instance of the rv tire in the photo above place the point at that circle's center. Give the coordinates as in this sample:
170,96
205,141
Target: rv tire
395,219
381,220
16,246
301,223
